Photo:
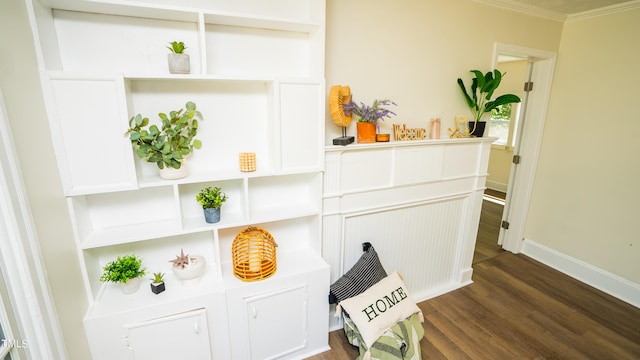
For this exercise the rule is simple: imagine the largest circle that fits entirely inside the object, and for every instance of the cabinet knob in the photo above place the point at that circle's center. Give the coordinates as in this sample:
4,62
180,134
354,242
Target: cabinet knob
254,311
196,327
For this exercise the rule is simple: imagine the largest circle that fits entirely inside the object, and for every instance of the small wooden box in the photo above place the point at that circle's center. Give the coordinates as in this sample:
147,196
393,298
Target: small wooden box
247,161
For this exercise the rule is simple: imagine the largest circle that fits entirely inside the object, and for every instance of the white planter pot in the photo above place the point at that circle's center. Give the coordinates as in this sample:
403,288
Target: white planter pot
190,275
169,173
179,63
131,286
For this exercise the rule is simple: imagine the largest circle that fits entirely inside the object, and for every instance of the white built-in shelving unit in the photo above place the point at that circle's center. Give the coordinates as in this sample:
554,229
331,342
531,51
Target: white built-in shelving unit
257,76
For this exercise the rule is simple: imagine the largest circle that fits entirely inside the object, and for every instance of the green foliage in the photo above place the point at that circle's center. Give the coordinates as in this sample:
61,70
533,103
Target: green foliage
168,145
211,197
123,269
481,91
157,278
177,47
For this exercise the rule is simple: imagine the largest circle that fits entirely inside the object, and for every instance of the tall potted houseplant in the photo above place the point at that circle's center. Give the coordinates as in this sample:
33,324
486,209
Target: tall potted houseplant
368,117
167,145
480,100
211,199
125,270
179,62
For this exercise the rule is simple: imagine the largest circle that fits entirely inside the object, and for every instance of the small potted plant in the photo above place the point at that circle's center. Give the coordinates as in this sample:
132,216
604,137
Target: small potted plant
188,268
125,270
368,117
167,145
157,283
211,199
179,62
479,98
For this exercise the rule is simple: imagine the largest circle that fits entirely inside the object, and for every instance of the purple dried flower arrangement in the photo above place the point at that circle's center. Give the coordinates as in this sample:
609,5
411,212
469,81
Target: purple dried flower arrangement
373,113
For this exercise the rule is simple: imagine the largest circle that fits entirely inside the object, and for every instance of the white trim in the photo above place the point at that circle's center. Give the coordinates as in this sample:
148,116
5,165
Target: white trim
556,16
607,10
600,279
20,260
525,9
521,181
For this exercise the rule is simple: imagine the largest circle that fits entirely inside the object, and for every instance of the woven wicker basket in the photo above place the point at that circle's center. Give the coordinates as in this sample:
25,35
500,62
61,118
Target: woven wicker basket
254,254
247,161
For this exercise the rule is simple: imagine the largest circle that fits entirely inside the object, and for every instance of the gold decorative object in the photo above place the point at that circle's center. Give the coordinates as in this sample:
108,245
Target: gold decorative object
247,161
254,254
338,97
460,120
402,133
382,137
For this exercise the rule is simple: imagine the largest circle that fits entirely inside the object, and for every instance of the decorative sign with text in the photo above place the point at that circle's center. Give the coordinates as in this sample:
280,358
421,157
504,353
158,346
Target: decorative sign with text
402,133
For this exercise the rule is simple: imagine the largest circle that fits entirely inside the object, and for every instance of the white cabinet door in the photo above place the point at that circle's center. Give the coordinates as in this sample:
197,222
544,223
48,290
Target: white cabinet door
88,123
276,323
181,336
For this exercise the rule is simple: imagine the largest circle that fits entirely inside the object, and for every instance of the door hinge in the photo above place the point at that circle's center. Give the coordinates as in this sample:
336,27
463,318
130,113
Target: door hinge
505,225
528,86
516,159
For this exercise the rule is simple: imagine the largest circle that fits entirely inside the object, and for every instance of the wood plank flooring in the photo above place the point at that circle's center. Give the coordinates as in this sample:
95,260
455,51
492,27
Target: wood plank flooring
518,308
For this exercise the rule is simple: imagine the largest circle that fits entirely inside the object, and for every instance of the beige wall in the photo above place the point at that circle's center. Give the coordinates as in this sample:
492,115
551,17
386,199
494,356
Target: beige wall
25,109
586,198
413,52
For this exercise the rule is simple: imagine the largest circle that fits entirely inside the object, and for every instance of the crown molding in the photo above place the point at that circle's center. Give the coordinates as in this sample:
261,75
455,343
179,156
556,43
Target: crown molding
525,9
607,10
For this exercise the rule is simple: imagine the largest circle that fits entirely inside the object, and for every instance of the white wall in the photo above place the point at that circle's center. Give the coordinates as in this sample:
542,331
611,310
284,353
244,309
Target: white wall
586,200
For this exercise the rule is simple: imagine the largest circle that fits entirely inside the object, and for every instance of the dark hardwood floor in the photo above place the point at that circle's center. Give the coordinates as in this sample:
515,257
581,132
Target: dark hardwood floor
518,308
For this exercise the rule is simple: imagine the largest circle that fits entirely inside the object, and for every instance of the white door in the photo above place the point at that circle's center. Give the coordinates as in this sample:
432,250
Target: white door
180,336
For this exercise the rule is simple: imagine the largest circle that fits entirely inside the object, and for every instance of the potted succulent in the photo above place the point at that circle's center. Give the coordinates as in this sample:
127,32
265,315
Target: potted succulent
368,117
125,270
479,97
157,283
167,145
179,62
211,199
188,268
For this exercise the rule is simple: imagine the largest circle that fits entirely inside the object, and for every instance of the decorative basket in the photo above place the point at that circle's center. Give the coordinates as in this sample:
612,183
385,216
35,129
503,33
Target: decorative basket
247,161
254,254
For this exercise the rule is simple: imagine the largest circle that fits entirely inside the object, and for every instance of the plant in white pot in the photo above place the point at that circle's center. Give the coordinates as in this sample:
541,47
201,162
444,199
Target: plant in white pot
167,145
179,62
211,199
479,97
125,270
188,268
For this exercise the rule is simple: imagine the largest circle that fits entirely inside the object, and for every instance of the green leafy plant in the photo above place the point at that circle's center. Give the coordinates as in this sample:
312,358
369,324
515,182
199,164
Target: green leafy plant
169,144
177,47
123,269
211,197
157,278
480,94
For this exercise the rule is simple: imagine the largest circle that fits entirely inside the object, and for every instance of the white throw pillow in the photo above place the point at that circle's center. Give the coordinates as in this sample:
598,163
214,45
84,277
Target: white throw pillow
380,307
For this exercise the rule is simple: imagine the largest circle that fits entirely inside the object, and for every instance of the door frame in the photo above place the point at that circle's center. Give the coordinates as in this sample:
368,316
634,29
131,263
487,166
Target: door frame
521,181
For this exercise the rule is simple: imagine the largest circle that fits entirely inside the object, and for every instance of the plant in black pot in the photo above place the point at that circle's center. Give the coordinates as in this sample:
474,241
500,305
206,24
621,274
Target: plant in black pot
480,100
157,283
167,145
211,199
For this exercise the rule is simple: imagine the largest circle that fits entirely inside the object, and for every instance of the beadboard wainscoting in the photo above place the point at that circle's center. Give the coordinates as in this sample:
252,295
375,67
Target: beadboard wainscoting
418,203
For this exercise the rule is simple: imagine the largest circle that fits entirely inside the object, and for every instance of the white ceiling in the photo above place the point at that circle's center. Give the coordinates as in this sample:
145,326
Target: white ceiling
564,9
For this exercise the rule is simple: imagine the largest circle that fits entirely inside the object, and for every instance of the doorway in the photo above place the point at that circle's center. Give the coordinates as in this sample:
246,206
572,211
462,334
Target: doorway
523,140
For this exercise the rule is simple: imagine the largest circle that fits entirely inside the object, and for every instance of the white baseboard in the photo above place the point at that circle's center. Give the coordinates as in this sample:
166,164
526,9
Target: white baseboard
602,280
